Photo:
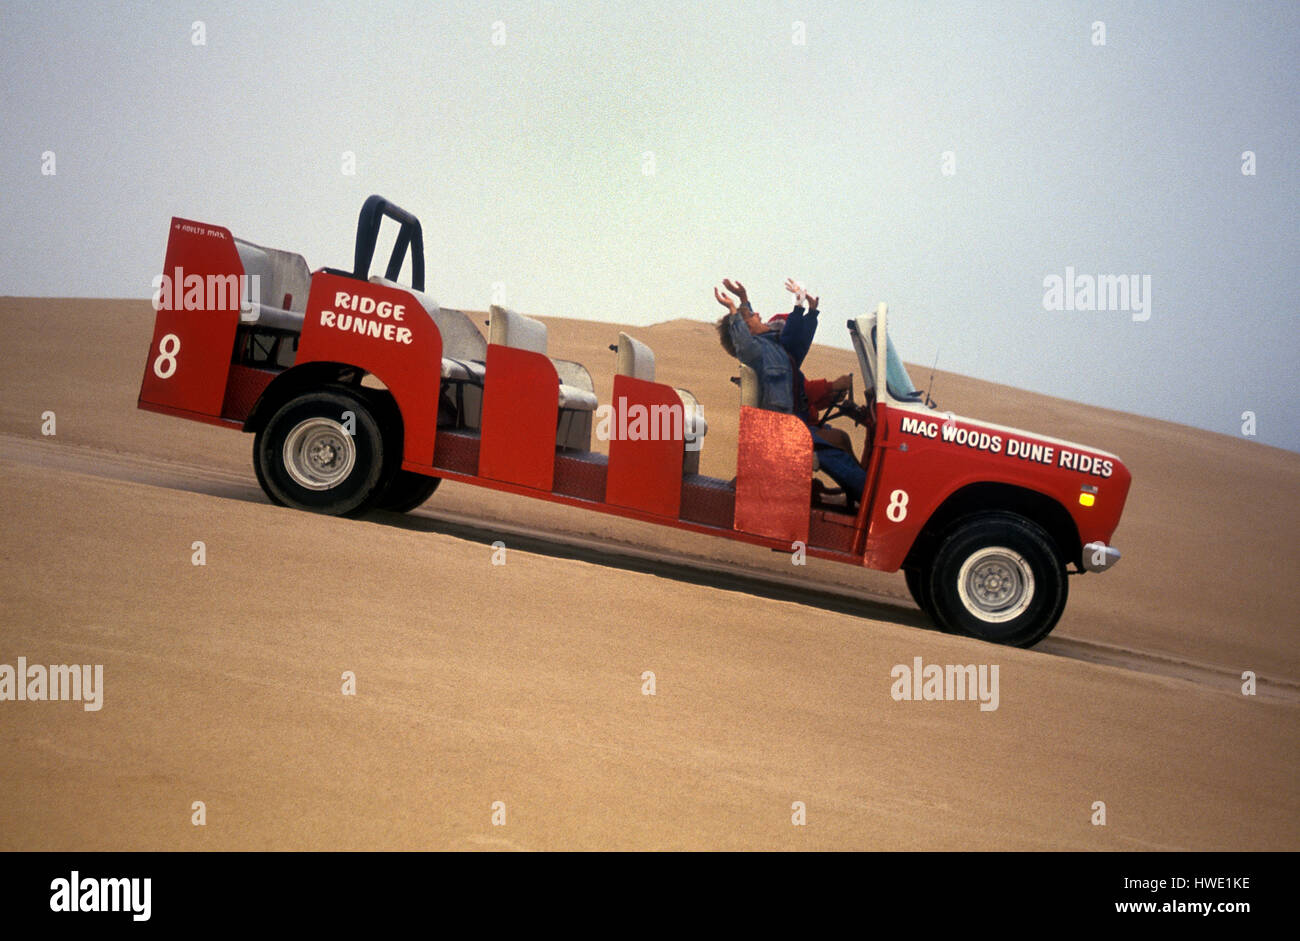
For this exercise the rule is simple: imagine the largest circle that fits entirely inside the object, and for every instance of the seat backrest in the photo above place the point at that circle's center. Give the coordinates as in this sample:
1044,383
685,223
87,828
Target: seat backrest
748,386
507,328
573,374
634,359
279,273
460,338
690,403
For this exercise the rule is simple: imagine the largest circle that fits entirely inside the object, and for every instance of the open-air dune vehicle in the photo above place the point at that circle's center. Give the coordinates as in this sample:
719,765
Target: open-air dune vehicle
364,394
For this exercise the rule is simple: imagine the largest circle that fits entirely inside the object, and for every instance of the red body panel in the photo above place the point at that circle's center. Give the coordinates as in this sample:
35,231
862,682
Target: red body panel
521,408
773,475
197,316
398,343
919,463
243,388
646,474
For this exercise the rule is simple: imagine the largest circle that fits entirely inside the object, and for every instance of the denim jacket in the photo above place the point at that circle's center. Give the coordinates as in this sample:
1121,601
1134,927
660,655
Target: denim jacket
775,357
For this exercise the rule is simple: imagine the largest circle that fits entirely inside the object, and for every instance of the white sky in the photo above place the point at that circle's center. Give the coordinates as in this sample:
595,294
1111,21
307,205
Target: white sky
525,163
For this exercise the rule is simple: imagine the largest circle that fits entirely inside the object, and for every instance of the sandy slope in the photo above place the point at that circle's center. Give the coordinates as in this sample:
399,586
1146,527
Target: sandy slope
522,682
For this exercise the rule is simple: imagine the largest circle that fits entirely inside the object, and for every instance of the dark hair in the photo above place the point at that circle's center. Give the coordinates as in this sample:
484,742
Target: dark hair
724,334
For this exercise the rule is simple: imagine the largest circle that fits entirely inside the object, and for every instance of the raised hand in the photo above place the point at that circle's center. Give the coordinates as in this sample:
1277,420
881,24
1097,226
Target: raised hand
736,288
725,301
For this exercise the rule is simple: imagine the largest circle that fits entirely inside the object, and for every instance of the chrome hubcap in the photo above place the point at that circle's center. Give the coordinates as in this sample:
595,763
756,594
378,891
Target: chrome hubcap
996,584
319,454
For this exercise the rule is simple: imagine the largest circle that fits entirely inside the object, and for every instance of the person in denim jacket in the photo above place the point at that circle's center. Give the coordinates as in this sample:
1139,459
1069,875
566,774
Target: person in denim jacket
769,351
776,355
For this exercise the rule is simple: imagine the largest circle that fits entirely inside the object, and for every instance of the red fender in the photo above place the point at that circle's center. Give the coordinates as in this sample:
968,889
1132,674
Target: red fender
401,347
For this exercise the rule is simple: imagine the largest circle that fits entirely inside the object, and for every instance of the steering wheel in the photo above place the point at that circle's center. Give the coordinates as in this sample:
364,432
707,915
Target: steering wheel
842,403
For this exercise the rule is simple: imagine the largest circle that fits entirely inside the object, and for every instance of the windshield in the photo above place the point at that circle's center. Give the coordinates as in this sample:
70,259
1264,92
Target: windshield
896,377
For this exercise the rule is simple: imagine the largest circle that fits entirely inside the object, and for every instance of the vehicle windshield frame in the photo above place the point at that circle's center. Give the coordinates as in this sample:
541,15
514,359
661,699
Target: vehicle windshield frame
897,380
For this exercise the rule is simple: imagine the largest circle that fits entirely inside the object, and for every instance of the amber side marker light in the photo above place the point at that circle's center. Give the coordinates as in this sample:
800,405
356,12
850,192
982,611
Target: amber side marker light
1088,496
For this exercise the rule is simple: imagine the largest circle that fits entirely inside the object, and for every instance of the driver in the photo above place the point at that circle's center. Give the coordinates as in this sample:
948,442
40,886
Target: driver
775,354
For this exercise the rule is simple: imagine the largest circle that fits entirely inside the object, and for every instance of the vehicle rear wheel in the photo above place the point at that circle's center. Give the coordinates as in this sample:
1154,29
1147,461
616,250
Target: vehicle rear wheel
406,491
312,455
998,577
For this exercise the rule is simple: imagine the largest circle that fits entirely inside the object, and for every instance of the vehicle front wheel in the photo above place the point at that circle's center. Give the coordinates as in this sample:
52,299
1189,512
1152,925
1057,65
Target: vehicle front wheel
998,577
324,452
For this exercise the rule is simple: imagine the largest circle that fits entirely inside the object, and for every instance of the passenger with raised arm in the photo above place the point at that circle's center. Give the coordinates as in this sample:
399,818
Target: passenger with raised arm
817,393
776,354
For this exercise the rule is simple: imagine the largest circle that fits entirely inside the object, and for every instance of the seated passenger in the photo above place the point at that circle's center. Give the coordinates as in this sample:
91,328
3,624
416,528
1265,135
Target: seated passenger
818,392
775,355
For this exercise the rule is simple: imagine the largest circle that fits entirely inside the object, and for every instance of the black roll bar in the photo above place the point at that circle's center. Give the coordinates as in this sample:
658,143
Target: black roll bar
409,237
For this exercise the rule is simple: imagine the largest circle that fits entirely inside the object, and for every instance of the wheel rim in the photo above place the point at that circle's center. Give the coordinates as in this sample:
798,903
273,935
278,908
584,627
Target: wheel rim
319,454
996,584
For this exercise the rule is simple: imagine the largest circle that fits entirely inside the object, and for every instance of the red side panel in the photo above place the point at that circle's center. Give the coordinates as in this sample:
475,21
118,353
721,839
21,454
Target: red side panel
245,387
646,445
194,330
386,332
521,405
773,475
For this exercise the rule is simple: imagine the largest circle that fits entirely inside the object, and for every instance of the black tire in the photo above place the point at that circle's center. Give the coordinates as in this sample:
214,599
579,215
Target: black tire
998,577
917,585
306,459
406,491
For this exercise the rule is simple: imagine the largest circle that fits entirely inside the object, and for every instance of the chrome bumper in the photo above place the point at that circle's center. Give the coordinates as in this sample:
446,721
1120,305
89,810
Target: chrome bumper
1098,557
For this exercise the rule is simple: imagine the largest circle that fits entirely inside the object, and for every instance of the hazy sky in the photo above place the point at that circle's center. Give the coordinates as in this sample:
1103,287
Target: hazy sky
521,135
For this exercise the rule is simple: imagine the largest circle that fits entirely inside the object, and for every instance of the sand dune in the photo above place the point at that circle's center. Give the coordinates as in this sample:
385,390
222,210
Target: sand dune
522,683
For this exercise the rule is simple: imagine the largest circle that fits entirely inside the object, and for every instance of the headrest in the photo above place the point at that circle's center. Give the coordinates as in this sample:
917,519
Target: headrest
635,359
506,328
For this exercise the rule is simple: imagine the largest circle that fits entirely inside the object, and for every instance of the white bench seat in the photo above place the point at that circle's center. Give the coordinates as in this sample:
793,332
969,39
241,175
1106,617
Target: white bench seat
459,370
580,399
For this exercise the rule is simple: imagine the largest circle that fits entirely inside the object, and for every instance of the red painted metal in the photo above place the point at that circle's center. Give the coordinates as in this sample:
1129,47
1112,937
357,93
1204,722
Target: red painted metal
194,328
709,501
646,447
243,388
921,467
705,529
235,424
456,451
581,475
521,396
773,475
388,333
